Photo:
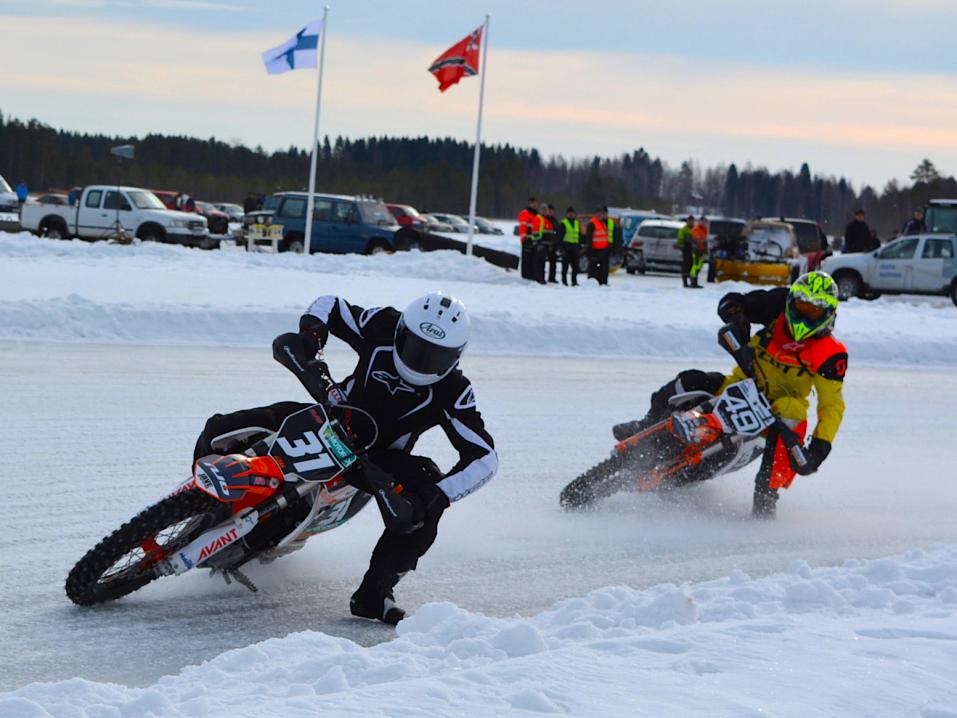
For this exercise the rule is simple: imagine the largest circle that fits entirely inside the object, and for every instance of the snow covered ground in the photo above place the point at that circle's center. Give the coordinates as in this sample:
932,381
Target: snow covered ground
878,638
157,338
75,290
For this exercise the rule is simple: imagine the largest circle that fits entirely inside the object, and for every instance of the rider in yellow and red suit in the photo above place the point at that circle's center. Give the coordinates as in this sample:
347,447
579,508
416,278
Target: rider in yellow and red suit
785,367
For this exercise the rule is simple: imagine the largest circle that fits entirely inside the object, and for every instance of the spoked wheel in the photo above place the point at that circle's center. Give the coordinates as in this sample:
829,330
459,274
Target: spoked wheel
128,559
621,471
599,482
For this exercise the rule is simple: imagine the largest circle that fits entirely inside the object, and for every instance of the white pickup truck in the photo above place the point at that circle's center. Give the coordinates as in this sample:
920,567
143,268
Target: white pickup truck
105,212
921,264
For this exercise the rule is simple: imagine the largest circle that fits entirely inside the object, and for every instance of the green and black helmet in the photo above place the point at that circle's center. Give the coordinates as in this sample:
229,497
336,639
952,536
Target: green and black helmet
812,306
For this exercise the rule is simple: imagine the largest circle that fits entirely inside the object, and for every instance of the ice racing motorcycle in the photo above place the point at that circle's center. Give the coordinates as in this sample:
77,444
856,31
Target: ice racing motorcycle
262,502
704,437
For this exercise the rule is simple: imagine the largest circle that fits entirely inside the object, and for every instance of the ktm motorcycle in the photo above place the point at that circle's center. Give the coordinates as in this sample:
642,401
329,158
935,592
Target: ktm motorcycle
262,498
704,437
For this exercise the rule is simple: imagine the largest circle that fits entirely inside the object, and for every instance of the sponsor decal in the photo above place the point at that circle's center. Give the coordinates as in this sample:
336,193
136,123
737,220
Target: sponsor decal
185,559
432,330
393,383
218,543
336,445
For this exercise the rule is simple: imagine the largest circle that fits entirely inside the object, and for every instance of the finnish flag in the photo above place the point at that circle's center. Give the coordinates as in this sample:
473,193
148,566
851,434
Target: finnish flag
297,52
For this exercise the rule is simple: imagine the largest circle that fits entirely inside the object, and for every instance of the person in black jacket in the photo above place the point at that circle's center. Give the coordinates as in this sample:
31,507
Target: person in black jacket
915,225
857,235
407,378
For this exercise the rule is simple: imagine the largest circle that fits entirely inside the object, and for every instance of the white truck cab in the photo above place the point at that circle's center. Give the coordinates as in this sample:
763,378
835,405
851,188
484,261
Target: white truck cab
918,264
105,212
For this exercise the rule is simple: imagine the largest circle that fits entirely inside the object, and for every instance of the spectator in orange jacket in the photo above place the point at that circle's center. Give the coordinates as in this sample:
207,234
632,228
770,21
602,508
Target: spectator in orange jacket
699,249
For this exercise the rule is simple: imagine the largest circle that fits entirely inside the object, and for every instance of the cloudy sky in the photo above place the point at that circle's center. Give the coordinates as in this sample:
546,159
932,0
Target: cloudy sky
864,88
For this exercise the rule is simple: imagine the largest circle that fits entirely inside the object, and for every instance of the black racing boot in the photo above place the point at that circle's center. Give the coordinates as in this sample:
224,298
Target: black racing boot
765,504
630,428
375,602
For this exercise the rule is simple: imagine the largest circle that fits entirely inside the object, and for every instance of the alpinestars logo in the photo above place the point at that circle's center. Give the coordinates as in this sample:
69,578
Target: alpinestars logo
466,400
367,315
393,383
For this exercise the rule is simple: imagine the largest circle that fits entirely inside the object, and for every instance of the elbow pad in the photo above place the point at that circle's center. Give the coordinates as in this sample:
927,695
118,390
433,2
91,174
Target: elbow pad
314,334
731,307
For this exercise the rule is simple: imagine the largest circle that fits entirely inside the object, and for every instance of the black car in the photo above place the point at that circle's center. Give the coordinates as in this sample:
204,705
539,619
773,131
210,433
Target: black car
486,227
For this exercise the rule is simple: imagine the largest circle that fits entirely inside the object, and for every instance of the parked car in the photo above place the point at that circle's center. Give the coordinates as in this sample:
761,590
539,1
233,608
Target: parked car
653,247
138,211
631,219
777,251
234,211
434,225
811,240
8,198
457,223
408,216
167,197
485,227
341,224
920,264
217,220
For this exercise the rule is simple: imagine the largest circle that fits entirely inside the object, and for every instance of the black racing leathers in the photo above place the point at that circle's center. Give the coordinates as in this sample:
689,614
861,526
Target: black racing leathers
403,413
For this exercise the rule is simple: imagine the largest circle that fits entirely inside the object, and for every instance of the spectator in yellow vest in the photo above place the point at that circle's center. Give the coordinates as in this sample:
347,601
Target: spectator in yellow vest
569,234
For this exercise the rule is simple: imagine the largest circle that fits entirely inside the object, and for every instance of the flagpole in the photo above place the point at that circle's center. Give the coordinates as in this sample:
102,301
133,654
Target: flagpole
310,202
483,69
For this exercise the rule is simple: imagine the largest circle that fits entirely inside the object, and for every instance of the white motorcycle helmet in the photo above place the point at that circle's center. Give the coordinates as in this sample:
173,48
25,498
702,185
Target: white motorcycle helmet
429,338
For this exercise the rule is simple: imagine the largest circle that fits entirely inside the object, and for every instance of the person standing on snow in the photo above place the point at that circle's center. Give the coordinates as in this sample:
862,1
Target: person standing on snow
600,236
857,235
915,225
683,243
569,235
550,239
536,238
699,250
22,191
407,378
525,219
793,354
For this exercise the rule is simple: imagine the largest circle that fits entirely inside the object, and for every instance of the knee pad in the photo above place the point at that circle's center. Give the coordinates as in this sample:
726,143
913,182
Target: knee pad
697,380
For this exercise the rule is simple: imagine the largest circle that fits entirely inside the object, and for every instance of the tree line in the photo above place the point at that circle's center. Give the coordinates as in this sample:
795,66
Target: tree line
435,174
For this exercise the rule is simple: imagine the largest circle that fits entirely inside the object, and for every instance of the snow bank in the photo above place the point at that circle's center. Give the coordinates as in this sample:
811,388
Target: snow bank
868,638
78,291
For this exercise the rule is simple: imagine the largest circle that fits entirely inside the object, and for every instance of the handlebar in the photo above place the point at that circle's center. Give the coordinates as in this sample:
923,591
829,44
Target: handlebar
739,348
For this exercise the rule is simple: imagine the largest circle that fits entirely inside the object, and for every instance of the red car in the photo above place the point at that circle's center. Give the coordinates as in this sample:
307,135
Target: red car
408,216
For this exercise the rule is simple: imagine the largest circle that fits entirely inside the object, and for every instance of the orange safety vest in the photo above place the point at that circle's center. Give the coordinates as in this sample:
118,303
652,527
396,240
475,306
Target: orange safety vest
599,239
525,219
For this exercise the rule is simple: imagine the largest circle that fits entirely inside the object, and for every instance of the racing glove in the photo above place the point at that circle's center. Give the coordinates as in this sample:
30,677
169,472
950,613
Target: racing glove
816,451
291,351
427,500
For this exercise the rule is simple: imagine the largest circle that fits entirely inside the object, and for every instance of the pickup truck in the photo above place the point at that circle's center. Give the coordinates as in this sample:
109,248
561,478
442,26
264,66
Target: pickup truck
137,211
921,264
341,224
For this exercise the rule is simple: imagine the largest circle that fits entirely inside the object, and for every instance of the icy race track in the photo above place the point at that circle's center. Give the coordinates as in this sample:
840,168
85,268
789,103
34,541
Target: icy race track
94,431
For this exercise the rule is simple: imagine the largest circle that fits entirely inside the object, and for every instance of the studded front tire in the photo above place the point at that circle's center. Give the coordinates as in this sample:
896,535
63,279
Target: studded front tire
128,559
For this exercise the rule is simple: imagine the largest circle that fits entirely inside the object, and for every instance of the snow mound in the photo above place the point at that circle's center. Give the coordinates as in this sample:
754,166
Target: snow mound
54,290
871,638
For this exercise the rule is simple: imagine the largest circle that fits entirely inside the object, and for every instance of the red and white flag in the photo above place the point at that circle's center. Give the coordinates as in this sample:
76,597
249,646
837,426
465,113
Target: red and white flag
460,60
